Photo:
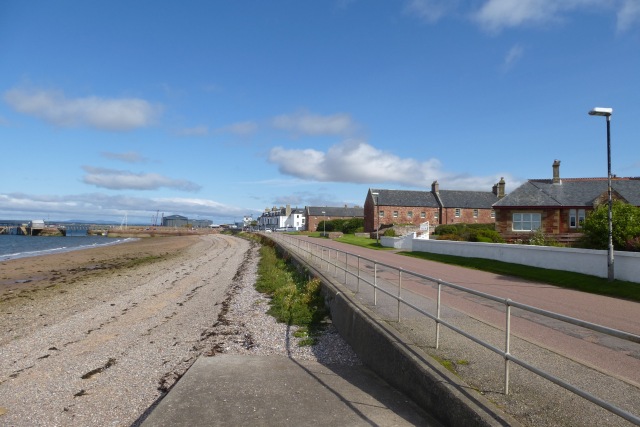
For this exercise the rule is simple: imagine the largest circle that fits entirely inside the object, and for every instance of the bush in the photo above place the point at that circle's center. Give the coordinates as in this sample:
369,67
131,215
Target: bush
626,226
469,232
353,225
390,232
485,236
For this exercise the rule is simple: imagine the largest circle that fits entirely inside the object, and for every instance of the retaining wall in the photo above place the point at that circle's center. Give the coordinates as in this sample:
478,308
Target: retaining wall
403,365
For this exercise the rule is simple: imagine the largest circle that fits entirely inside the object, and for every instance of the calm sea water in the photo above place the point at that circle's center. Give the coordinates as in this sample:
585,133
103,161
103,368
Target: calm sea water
12,246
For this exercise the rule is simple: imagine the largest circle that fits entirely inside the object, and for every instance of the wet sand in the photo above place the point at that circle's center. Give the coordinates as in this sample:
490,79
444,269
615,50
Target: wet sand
33,273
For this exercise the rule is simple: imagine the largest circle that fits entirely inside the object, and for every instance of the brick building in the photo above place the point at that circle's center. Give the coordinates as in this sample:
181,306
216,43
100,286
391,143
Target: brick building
316,214
403,207
558,206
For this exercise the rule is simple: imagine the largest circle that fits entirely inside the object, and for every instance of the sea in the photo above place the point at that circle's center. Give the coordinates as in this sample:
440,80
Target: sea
13,246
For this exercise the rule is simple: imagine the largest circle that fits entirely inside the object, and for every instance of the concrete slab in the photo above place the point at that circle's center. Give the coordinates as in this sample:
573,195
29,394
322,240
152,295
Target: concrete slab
235,390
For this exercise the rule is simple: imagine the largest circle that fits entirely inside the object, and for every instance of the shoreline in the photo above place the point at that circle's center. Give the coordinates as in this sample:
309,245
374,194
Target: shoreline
36,272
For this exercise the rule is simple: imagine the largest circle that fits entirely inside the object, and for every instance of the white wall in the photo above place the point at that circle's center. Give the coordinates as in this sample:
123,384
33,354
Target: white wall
586,261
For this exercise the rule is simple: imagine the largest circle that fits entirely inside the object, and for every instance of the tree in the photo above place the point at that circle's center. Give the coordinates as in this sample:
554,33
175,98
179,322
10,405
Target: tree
626,226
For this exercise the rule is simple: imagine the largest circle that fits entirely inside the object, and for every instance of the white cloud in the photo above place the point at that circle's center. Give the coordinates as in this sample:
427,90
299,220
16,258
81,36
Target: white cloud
429,10
100,206
126,180
355,161
304,123
628,14
128,157
496,15
114,114
513,55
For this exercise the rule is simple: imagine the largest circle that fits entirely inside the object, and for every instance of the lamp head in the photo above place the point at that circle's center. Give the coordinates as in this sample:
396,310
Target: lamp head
599,111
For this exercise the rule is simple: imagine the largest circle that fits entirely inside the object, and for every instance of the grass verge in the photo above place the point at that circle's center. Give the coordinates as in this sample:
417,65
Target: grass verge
296,300
364,242
564,279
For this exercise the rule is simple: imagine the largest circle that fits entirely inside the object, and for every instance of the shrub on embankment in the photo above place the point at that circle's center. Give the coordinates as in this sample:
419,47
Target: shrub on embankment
296,299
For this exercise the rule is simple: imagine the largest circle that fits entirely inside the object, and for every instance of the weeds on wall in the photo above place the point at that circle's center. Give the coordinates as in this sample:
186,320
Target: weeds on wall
296,299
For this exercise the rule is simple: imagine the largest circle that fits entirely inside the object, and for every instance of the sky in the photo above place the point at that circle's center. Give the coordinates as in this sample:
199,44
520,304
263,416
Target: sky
219,109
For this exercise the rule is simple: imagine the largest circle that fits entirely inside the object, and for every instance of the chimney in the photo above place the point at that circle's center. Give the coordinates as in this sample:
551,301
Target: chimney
501,188
435,187
494,189
288,211
556,172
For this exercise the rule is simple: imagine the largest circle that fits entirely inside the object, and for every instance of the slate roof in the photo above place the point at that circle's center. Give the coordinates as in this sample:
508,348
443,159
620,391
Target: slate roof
467,199
449,198
576,192
332,211
405,198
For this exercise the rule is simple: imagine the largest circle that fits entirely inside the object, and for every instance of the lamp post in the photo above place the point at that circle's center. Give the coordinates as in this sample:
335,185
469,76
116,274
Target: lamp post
376,215
606,112
324,224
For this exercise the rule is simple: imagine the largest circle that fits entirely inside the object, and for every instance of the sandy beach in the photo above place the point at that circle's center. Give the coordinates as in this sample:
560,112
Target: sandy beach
95,337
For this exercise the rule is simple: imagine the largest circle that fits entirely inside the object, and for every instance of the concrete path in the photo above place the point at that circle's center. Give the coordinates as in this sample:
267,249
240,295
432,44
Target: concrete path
231,390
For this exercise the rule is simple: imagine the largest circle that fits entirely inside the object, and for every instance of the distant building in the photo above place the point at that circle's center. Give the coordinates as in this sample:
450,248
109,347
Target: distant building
175,221
282,218
316,214
200,223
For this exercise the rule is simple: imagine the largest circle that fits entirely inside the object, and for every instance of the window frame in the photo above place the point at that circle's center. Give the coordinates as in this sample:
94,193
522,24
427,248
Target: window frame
524,218
576,218
457,212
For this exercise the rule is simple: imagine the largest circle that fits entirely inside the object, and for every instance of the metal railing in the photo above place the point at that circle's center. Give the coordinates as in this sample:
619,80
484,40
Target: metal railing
347,265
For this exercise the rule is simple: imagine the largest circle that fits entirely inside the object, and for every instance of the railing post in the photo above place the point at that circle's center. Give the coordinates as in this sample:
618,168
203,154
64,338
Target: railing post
346,266
507,345
358,283
438,315
375,283
399,291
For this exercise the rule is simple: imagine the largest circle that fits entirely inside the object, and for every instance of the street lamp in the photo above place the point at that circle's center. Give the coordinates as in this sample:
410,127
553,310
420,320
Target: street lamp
324,224
606,112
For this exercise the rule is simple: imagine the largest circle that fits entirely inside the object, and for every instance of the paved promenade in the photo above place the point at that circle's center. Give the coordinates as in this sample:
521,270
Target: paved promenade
601,365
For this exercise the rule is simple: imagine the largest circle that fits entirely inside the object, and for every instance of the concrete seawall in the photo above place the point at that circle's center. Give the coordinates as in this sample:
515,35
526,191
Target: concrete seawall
403,365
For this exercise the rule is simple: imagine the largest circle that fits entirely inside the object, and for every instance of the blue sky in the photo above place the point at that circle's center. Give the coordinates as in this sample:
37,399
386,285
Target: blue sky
219,109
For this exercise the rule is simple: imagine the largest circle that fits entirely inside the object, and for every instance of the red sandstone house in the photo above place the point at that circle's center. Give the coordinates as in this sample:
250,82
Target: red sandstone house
316,214
558,206
403,207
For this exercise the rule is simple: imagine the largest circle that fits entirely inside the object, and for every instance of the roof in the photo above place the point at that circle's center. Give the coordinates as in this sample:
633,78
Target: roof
574,192
405,198
176,217
449,198
331,211
467,199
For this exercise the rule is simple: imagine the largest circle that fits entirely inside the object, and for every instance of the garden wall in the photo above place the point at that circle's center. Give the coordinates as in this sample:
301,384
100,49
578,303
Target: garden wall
586,261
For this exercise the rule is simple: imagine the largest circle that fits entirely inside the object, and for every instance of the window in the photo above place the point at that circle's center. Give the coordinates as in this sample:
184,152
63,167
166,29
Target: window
526,221
381,214
475,213
423,214
303,220
576,218
457,214
410,214
436,215
493,213
395,214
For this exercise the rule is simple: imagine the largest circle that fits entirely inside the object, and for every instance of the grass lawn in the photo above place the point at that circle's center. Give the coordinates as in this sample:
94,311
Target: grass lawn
564,279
